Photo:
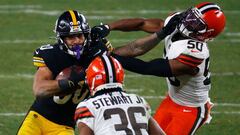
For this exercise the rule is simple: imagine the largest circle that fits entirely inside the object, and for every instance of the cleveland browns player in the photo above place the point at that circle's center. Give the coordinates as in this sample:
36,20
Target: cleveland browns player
53,109
110,110
185,64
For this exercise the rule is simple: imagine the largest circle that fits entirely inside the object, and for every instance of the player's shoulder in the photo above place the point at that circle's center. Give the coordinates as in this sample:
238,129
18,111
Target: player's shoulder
87,101
44,53
83,111
83,103
170,16
46,49
190,47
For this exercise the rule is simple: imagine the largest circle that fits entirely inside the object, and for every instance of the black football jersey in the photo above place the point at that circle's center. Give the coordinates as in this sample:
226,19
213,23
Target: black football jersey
58,109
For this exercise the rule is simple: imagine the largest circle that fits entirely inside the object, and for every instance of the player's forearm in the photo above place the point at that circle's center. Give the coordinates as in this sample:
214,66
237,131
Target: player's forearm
127,24
157,67
138,47
137,24
46,88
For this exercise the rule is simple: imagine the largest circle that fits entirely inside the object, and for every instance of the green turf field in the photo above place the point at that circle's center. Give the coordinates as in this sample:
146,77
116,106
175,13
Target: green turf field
27,24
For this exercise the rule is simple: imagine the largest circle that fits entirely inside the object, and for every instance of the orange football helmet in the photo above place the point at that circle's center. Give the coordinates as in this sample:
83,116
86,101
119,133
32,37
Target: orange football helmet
104,72
203,22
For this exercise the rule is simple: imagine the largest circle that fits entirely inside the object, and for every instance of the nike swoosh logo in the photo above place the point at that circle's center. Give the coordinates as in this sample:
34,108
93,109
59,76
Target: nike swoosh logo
184,110
194,51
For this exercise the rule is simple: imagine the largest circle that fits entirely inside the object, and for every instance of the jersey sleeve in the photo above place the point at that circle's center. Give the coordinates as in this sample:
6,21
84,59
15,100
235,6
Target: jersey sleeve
181,51
38,60
84,115
189,60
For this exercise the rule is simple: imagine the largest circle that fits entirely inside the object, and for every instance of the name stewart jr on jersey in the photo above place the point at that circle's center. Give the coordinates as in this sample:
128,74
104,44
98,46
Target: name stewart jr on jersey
115,100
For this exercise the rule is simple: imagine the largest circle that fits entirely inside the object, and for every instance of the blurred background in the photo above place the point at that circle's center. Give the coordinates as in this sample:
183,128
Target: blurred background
28,24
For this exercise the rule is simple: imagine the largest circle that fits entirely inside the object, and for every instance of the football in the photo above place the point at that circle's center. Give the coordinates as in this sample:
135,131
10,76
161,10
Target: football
65,73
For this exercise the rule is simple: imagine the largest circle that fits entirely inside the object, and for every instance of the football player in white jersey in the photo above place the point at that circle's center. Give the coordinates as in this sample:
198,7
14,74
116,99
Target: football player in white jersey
110,110
185,63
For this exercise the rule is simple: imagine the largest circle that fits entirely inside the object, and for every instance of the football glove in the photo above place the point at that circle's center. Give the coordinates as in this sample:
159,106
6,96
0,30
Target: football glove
74,82
169,27
100,31
108,44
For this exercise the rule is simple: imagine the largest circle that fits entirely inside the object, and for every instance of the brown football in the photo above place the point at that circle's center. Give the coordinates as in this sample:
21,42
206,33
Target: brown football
65,73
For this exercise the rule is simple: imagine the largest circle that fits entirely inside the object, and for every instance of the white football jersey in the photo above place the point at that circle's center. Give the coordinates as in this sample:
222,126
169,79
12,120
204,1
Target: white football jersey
189,90
115,114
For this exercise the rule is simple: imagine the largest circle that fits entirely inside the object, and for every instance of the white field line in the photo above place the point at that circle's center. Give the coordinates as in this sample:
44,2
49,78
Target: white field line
20,6
230,34
35,9
26,41
213,112
23,41
215,104
30,76
212,74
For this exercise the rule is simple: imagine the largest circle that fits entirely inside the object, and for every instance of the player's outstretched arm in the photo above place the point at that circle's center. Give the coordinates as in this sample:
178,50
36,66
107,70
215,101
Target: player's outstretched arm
143,45
150,25
157,67
138,47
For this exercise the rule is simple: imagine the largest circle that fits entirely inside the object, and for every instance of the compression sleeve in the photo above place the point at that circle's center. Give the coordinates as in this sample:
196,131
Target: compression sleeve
157,67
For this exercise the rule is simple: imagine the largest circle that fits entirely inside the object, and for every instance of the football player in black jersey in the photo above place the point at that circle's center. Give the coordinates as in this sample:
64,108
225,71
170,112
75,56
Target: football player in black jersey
51,113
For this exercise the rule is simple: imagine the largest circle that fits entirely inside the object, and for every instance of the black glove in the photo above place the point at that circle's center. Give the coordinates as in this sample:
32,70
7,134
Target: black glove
170,26
95,48
100,31
108,45
74,82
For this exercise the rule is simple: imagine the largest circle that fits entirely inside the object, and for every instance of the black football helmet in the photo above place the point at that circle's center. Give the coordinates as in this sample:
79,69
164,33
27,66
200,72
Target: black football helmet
70,23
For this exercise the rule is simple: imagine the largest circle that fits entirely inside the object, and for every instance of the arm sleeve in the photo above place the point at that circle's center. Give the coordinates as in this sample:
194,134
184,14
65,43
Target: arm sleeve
38,60
157,67
84,115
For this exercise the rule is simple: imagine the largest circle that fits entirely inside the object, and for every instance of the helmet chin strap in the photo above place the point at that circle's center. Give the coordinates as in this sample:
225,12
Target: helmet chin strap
76,50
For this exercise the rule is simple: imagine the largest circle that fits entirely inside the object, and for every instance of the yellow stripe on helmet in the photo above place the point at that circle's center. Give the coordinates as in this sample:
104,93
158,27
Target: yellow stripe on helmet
74,20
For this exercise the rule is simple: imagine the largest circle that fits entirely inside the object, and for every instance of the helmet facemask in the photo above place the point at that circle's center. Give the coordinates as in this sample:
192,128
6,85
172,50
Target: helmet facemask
193,26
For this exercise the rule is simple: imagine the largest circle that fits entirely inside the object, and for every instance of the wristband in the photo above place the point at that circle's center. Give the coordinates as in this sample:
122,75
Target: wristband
161,34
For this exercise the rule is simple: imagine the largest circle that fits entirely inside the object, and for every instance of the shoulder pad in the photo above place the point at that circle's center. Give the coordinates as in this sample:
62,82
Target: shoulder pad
189,52
189,47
